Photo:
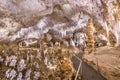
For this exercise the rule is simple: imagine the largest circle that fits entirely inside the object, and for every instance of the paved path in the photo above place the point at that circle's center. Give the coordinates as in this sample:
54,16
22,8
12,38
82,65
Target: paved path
88,73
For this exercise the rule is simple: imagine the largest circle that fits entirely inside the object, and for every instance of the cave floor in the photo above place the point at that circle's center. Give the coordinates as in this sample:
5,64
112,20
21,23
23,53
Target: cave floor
106,61
86,72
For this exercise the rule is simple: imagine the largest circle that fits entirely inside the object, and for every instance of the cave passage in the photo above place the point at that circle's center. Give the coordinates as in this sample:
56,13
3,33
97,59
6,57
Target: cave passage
44,39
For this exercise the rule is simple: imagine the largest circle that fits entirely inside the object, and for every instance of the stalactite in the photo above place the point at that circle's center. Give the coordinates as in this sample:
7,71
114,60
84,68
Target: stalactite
107,33
106,19
117,24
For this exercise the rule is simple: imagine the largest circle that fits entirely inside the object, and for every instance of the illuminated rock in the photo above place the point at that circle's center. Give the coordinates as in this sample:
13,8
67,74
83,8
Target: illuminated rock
90,37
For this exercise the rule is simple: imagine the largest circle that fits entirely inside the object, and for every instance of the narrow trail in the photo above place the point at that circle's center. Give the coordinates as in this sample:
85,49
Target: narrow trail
88,73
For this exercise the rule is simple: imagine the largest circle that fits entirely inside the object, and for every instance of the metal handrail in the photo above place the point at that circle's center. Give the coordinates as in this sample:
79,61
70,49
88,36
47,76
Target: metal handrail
79,68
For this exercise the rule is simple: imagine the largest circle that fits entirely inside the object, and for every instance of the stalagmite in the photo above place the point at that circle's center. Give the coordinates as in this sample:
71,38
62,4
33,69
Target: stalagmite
48,37
90,37
72,44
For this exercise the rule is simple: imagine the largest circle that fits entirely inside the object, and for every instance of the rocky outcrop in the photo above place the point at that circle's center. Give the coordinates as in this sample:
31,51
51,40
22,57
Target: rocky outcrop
106,61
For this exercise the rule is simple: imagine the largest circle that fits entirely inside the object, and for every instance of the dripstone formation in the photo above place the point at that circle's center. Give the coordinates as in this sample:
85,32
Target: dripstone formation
43,62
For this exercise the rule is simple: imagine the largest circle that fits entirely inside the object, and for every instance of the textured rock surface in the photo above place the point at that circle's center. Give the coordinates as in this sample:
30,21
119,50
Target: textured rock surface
64,16
34,63
106,61
90,37
56,22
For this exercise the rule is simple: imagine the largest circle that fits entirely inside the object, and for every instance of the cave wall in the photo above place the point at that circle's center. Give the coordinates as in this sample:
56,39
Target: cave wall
64,16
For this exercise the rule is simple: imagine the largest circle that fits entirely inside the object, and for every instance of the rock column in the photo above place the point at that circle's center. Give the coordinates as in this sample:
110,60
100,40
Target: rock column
90,37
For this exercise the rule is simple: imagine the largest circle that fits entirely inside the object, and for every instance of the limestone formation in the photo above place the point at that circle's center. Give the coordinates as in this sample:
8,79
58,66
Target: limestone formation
72,44
47,37
90,47
35,63
39,37
65,43
41,16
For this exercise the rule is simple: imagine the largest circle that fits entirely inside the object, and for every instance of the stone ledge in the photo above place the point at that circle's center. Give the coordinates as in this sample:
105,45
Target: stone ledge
106,61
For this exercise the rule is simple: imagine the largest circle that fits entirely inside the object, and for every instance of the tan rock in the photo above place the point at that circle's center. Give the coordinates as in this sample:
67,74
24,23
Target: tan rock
90,37
45,62
47,37
65,43
106,61
72,44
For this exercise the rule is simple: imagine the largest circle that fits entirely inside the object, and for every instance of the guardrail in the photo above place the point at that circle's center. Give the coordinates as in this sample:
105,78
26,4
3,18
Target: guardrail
79,68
